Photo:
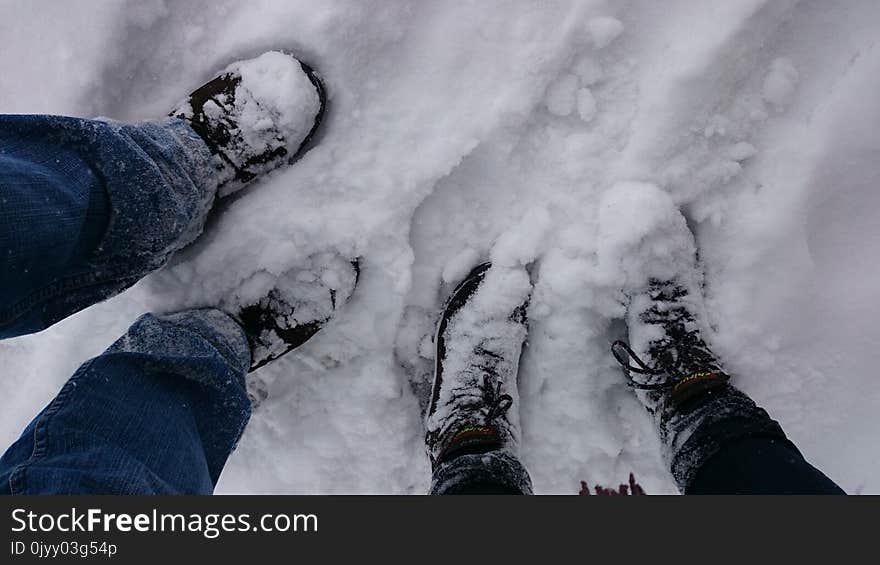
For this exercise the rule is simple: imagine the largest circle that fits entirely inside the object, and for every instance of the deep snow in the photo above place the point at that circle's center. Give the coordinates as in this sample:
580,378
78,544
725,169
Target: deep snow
464,130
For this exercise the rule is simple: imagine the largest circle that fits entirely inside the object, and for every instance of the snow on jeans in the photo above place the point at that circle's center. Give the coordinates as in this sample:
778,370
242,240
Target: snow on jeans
87,208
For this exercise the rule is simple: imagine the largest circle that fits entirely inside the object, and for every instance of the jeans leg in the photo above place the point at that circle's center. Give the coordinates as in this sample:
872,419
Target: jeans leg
158,413
89,207
493,472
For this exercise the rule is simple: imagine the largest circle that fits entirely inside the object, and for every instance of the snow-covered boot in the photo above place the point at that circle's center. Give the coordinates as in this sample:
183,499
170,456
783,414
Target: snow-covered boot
295,307
472,419
682,383
255,116
675,373
664,322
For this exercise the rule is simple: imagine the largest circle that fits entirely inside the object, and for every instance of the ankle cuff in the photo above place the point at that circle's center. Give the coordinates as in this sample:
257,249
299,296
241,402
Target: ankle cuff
494,472
693,386
470,440
721,416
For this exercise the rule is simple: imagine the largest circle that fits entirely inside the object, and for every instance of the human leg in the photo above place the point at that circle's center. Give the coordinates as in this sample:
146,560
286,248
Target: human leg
716,439
89,207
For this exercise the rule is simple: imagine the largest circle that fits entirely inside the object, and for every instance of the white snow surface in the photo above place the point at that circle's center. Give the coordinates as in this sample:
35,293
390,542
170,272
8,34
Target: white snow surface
472,130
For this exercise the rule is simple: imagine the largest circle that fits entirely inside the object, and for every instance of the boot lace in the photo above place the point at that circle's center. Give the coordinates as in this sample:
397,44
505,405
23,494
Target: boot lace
496,403
681,352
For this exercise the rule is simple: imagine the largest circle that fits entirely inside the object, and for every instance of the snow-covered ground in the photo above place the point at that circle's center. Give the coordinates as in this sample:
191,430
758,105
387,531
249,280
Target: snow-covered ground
470,129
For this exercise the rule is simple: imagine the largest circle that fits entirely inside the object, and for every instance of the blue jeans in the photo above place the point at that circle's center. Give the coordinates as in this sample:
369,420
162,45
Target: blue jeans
159,412
87,208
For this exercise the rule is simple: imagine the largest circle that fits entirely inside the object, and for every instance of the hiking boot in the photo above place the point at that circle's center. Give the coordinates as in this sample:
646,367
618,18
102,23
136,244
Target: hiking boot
674,365
682,383
299,304
480,336
255,116
645,243
674,371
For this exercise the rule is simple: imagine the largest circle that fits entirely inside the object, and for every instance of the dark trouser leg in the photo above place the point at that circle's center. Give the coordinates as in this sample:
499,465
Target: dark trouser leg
760,465
158,413
723,443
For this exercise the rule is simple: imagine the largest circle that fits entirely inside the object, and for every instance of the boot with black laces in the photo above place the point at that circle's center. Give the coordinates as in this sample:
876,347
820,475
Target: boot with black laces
664,323
472,420
668,361
682,383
